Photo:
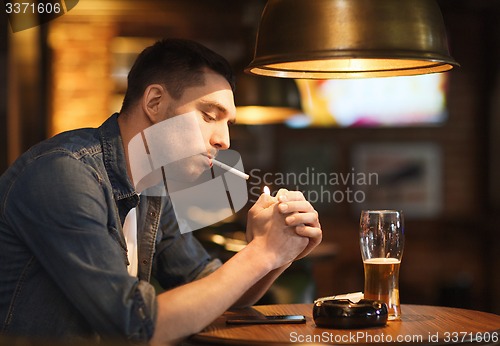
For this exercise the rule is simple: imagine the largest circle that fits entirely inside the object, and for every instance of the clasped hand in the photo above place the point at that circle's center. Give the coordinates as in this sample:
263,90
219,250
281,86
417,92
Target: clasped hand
286,225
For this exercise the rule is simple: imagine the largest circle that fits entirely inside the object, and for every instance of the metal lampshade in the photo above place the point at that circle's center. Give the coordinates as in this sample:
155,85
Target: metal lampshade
323,39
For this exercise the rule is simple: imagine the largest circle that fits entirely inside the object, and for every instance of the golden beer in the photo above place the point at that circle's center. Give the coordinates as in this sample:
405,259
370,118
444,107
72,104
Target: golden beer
382,283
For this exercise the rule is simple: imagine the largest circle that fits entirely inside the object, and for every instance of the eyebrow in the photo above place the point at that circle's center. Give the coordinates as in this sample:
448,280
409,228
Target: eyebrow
219,107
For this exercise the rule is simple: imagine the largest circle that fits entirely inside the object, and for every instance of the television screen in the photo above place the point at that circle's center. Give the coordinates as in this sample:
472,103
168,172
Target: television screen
372,102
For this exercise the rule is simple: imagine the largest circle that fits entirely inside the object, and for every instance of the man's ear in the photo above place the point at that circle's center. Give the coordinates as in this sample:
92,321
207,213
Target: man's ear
152,102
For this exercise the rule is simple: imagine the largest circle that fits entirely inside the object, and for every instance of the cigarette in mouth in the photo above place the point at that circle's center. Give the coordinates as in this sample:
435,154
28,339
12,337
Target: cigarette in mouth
231,169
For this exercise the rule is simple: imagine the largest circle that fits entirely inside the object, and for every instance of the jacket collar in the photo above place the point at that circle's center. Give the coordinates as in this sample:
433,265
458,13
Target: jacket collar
114,160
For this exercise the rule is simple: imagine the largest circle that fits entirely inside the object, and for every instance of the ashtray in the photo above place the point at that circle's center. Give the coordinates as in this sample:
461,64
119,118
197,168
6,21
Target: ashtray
343,313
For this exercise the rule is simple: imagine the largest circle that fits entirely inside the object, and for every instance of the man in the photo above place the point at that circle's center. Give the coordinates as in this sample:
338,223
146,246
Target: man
63,255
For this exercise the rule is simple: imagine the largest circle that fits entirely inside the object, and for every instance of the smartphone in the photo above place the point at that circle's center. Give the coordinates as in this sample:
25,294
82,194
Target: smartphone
267,319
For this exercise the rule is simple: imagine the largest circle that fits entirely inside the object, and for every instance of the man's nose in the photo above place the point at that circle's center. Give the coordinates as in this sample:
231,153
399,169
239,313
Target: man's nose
220,138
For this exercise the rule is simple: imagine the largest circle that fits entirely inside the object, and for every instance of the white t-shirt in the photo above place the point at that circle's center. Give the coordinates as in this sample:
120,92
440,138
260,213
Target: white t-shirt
130,234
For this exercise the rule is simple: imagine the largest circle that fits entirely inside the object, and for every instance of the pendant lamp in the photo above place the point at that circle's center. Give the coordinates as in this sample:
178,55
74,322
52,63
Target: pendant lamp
322,39
263,100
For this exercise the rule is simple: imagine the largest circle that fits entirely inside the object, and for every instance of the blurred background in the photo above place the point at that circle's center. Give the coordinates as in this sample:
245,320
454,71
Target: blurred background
428,145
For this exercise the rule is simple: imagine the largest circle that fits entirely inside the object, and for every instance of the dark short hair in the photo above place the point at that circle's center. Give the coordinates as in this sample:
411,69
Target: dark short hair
176,64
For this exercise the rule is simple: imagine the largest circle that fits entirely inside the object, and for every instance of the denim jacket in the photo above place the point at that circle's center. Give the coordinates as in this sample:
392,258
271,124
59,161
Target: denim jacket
63,256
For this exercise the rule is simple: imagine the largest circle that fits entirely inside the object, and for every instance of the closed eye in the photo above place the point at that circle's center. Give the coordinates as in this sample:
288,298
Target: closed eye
209,117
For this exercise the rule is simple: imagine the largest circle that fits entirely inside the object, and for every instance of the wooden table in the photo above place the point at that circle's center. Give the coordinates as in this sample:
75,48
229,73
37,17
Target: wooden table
426,325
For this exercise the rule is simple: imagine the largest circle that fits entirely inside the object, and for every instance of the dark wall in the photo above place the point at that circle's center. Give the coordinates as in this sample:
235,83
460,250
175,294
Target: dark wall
3,92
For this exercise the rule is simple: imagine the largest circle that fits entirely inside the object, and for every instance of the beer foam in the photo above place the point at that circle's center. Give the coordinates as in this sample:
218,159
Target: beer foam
382,261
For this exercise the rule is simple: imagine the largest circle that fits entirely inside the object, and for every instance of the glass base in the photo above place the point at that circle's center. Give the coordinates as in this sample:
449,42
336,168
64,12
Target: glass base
394,318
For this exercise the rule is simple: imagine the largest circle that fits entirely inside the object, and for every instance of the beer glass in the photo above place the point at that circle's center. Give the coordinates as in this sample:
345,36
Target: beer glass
382,240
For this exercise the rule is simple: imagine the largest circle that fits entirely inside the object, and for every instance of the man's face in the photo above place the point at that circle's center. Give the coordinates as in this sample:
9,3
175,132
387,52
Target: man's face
213,105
